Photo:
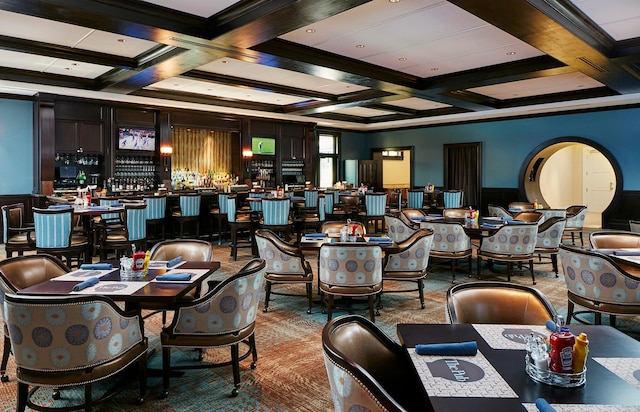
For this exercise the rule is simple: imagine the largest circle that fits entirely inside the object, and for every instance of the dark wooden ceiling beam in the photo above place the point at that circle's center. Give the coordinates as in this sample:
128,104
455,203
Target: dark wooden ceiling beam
360,98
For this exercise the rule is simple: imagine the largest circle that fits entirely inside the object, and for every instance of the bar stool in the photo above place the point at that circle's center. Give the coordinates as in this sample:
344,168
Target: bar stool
188,211
220,215
134,232
375,204
156,207
275,215
54,235
238,222
415,199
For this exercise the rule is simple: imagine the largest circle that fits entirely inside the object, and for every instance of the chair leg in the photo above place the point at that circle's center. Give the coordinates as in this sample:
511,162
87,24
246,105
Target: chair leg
142,377
254,351
478,264
554,263
87,397
453,271
330,308
573,240
421,292
533,276
5,359
267,293
470,265
598,318
570,307
309,296
612,320
581,240
372,315
166,367
23,395
509,270
235,364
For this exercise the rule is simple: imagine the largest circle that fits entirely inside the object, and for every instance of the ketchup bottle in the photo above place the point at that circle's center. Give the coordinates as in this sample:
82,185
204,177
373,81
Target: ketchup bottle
561,353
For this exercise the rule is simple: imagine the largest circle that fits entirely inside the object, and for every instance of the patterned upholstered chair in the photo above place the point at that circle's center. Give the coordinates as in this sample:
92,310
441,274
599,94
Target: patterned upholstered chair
54,235
455,213
415,199
276,215
453,199
410,262
19,273
531,217
155,212
219,214
349,270
575,222
134,232
549,213
285,265
397,229
596,282
367,370
517,207
48,333
548,240
450,242
375,206
614,239
225,316
499,211
498,302
188,211
512,243
17,236
239,222
413,217
634,226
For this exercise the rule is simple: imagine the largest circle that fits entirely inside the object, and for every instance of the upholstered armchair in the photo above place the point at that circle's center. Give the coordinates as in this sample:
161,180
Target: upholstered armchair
498,302
276,215
54,235
349,270
19,273
499,211
17,235
410,262
285,264
549,213
455,213
397,229
72,341
240,223
225,316
408,215
512,243
575,222
549,238
596,282
219,214
531,217
614,239
450,242
367,370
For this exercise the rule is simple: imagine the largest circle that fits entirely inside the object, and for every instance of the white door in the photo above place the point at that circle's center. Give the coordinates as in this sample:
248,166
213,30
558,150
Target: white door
599,185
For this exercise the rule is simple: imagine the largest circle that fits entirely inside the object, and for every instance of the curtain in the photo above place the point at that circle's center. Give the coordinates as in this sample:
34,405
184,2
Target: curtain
463,171
200,150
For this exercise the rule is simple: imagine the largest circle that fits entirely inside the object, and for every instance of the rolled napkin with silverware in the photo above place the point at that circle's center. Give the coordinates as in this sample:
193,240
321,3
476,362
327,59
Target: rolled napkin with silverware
173,277
628,252
318,235
543,405
174,261
551,325
448,349
86,284
96,266
380,239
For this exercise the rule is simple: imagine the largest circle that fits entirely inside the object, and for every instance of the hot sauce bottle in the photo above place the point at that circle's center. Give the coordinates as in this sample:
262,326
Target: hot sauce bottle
561,353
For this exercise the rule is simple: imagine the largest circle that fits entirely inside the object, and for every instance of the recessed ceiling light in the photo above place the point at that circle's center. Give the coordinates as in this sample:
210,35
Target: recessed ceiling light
122,40
511,53
403,59
394,1
225,61
359,46
74,64
434,69
310,30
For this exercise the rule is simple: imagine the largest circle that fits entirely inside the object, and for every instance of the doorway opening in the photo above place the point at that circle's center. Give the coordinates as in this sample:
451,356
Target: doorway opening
573,171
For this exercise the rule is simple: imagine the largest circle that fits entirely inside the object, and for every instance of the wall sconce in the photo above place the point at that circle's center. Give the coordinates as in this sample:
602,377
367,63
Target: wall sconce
246,156
165,152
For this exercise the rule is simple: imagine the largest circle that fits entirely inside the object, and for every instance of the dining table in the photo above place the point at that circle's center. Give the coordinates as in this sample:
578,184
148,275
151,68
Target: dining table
494,379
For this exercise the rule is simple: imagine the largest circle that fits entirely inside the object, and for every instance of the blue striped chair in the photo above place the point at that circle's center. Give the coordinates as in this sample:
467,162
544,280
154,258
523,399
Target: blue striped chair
238,222
54,235
219,213
156,209
395,201
329,202
415,199
375,206
134,232
256,206
453,199
188,211
275,215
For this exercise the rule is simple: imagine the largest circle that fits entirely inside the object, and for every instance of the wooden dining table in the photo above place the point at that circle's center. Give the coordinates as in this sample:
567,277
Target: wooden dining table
495,379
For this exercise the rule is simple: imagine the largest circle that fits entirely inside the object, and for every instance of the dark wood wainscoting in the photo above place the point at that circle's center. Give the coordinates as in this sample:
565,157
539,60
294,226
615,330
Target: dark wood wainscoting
29,202
617,215
500,196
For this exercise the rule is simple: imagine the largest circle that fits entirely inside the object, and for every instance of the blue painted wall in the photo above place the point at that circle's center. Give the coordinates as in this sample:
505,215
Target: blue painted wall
507,143
16,147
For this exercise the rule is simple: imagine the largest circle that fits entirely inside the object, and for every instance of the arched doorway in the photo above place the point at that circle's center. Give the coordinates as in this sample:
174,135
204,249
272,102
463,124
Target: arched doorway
572,171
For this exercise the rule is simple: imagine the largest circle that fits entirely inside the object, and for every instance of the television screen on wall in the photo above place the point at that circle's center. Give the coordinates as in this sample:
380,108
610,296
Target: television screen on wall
263,145
136,139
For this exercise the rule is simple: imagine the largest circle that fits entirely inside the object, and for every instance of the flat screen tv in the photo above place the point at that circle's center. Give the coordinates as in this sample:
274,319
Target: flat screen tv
136,139
263,145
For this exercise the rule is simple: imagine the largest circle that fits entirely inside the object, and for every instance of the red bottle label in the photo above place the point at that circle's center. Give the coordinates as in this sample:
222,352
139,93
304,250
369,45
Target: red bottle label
561,354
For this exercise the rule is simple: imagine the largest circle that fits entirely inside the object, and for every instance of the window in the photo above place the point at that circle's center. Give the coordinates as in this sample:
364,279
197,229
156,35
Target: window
328,149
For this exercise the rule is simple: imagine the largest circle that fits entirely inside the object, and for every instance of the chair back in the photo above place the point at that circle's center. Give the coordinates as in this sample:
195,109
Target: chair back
190,205
498,302
448,237
498,211
614,239
455,213
350,202
156,207
329,201
413,255
395,200
230,307
531,217
520,206
595,277
512,239
549,213
397,229
20,272
375,203
351,266
53,227
311,198
576,216
278,256
367,370
550,233
135,215
103,201
276,211
334,227
634,226
415,199
191,250
232,208
12,217
256,206
53,335
453,199
322,210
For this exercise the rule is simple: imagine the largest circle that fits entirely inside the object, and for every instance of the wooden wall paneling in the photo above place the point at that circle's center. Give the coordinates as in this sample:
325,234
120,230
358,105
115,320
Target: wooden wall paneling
617,215
204,121
44,147
135,117
500,196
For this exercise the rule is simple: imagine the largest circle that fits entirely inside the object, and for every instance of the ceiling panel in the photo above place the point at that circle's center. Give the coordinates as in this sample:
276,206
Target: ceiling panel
619,18
44,64
363,112
416,103
202,8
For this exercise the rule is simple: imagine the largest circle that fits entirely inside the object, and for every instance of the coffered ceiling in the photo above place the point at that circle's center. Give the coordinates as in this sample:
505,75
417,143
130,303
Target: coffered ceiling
353,64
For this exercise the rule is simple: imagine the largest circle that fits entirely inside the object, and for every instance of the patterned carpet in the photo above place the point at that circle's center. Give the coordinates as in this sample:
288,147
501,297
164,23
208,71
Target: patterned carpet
290,375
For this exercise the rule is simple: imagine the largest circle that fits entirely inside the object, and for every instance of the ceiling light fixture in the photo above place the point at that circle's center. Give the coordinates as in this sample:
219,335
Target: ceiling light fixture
403,59
359,46
121,40
434,69
310,30
394,1
511,53
225,61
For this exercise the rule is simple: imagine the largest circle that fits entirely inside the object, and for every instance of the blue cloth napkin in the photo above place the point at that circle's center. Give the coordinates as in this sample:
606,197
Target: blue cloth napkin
320,235
59,206
543,405
419,218
490,226
174,277
551,325
97,266
116,205
380,239
174,261
85,284
634,252
99,207
448,349
434,215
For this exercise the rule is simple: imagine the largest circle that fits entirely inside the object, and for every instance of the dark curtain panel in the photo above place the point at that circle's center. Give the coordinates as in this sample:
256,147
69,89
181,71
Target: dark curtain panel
463,171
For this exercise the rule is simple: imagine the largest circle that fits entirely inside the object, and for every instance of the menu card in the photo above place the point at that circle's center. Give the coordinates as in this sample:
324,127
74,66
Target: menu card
112,288
627,369
509,336
83,274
